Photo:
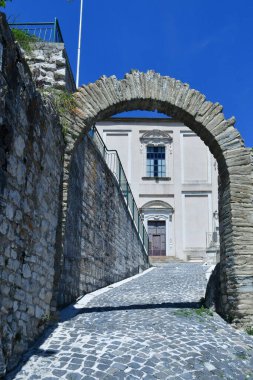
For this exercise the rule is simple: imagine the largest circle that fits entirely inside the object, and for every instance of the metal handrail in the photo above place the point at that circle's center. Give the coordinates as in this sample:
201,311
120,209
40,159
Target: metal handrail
212,238
113,162
44,31
47,32
68,66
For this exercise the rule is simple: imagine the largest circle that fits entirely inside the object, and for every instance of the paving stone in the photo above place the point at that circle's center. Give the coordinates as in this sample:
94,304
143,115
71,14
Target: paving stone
119,366
161,336
73,366
73,376
102,367
134,365
76,361
59,373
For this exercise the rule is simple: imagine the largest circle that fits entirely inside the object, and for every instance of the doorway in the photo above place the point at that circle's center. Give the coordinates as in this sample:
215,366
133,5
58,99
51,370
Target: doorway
157,237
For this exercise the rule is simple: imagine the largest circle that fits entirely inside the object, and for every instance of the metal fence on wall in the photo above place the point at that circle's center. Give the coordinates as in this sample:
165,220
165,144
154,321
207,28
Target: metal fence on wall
112,160
43,31
49,32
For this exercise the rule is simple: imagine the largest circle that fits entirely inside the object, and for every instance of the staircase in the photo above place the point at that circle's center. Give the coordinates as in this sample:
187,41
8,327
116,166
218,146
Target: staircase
158,260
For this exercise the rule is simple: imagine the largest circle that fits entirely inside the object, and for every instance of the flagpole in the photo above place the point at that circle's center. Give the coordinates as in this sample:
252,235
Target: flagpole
79,45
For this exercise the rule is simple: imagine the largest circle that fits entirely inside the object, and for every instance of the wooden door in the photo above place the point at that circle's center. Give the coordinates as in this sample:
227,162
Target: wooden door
157,238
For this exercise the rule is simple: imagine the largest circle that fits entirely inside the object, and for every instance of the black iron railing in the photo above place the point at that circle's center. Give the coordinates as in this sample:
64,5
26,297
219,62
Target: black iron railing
112,160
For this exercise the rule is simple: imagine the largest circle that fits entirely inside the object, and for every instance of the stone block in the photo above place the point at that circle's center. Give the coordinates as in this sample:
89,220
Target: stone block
3,227
26,271
60,74
10,211
19,145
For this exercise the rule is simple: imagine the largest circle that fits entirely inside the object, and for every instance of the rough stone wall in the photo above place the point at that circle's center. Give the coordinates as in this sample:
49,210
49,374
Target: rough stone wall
31,150
49,65
31,158
101,245
212,296
151,91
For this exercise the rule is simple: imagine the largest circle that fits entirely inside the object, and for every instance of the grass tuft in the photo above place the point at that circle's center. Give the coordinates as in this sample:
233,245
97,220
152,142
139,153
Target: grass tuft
64,103
24,39
200,312
249,330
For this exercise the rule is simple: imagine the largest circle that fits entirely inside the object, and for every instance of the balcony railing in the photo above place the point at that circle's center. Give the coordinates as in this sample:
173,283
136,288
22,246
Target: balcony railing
43,31
49,32
112,159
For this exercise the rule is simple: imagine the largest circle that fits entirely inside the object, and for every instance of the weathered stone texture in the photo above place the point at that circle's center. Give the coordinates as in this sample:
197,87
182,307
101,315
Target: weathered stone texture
49,65
101,243
98,252
151,91
31,159
213,293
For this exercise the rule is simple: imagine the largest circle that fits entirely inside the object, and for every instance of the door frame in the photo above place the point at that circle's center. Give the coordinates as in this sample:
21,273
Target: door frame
156,234
167,216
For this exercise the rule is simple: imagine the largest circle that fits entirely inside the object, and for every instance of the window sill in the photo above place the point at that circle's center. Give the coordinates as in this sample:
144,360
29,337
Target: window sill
157,179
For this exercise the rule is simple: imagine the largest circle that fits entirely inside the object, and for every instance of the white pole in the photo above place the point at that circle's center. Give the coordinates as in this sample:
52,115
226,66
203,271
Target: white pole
79,45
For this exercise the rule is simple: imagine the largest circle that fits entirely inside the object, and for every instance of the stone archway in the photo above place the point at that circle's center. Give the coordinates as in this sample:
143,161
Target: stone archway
151,91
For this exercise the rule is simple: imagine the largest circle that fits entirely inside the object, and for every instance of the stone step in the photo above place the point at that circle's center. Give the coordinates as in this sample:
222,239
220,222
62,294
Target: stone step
164,259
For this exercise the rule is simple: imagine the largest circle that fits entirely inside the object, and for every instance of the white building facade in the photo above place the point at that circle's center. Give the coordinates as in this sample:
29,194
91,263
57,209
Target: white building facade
174,180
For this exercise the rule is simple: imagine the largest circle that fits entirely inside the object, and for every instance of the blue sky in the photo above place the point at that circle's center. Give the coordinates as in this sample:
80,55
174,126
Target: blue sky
208,44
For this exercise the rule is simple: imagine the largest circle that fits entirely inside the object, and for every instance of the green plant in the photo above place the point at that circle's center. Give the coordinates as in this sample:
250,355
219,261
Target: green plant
65,128
24,39
46,317
64,103
241,355
249,375
201,312
184,312
249,330
3,3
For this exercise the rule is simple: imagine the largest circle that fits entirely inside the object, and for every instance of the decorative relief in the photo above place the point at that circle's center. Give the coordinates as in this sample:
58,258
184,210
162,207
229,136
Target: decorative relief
159,217
156,137
157,205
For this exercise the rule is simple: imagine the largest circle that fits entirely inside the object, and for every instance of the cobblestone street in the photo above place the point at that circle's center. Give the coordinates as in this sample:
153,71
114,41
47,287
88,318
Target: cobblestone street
148,328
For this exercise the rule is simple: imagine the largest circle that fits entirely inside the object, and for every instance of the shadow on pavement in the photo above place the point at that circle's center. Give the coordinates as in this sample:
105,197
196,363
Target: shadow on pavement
34,350
165,305
71,312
